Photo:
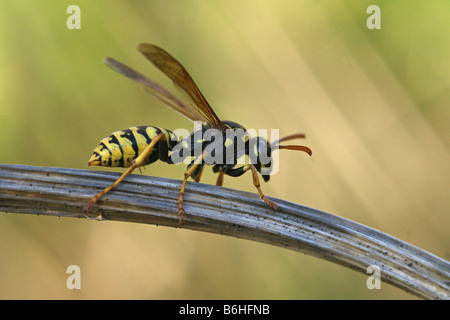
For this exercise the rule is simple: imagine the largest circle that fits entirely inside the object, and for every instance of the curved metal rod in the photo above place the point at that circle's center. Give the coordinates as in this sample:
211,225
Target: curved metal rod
143,199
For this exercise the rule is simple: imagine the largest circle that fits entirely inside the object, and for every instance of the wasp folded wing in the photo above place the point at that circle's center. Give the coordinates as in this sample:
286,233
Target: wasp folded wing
181,78
156,90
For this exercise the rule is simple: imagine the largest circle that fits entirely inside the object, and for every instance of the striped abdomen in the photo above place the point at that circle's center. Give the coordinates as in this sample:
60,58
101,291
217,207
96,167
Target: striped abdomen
122,147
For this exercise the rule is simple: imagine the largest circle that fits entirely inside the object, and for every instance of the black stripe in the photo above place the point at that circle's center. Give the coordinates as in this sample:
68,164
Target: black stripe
114,140
104,147
143,131
128,134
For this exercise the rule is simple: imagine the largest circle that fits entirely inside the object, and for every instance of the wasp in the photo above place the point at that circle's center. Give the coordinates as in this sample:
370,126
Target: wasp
143,145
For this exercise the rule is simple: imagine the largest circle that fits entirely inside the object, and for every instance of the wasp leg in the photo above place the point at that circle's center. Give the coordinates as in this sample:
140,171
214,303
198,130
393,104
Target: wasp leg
198,161
198,176
219,181
218,169
241,170
136,163
258,187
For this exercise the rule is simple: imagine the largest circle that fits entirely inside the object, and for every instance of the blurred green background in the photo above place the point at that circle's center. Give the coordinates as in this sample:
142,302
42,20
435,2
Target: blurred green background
373,103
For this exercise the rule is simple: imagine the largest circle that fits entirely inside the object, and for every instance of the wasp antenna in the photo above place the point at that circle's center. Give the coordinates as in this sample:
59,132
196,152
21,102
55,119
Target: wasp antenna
293,136
298,148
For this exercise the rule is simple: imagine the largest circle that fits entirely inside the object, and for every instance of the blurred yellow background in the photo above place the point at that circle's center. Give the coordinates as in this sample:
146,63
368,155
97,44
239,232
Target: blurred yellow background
373,103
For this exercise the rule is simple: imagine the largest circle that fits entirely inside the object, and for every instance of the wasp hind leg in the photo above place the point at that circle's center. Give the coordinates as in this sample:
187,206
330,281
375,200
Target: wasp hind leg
136,163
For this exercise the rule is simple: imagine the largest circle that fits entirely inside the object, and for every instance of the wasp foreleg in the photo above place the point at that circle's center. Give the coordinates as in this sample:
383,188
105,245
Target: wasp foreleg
236,172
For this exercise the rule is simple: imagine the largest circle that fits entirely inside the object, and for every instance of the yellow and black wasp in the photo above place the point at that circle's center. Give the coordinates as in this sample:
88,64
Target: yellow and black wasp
143,145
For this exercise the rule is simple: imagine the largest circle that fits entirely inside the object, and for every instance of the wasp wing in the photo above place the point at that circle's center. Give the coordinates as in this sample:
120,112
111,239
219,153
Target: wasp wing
181,78
156,90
